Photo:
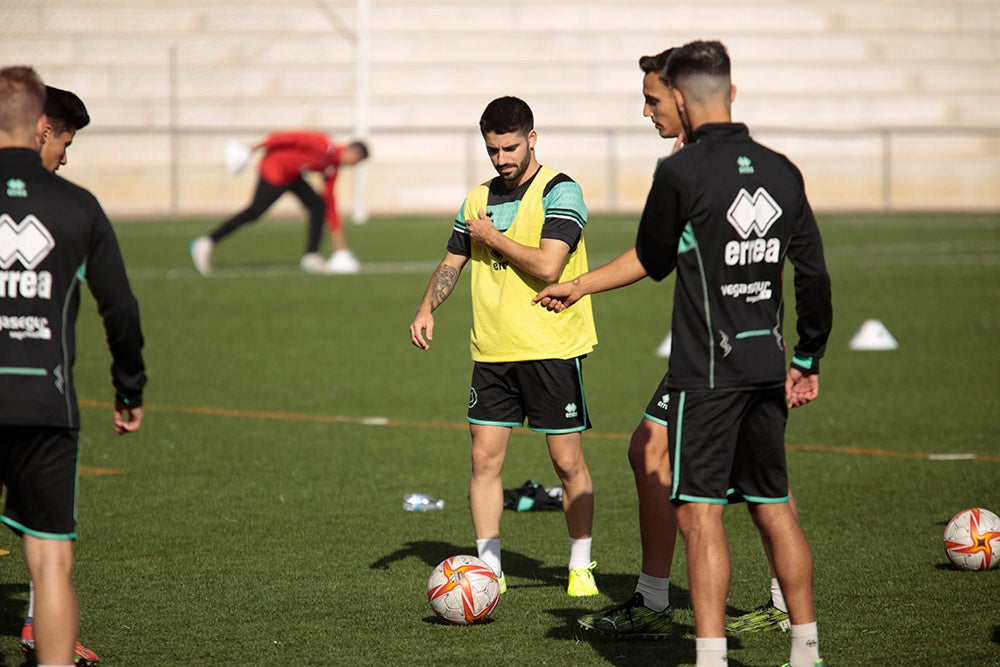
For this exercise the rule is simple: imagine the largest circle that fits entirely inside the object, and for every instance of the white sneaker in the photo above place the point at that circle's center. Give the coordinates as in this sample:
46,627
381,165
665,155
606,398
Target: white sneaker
342,261
201,254
312,263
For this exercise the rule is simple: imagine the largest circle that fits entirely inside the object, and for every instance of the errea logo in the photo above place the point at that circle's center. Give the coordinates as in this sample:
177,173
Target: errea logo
571,410
28,241
16,188
753,214
498,261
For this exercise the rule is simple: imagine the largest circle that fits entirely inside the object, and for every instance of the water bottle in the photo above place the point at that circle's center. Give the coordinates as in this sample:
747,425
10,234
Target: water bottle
418,502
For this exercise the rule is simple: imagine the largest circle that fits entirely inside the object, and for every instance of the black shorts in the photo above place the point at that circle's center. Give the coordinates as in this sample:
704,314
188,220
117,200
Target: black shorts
728,446
39,467
656,410
548,392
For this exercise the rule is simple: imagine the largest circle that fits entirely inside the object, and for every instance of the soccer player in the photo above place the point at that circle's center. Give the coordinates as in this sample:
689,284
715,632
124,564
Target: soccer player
647,614
521,231
725,212
286,156
57,235
65,115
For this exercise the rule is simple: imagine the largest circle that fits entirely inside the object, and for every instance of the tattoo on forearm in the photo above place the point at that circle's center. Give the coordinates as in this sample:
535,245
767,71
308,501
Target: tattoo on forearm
442,283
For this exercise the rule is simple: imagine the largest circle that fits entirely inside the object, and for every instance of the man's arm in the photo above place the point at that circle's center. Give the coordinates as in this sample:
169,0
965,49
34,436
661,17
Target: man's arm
332,214
813,304
622,270
439,288
654,253
119,311
813,300
545,262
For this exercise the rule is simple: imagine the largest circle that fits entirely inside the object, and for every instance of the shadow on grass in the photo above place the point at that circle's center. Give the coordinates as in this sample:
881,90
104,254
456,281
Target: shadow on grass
526,572
522,571
431,619
13,607
677,649
673,650
19,660
515,564
12,611
429,551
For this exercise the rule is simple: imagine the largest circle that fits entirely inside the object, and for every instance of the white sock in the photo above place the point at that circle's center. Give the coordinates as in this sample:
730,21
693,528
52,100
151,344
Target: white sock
777,597
579,552
805,645
489,553
31,598
655,591
710,652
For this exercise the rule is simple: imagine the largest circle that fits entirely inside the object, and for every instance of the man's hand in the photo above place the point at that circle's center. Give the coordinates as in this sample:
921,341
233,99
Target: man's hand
559,297
480,229
422,330
800,388
127,419
678,143
441,284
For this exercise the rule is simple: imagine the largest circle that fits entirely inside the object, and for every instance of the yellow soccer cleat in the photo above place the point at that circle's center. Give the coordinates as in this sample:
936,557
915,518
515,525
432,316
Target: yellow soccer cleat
581,582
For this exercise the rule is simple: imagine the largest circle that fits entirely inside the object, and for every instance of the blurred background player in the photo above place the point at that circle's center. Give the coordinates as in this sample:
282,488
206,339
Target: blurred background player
39,416
65,115
287,155
521,231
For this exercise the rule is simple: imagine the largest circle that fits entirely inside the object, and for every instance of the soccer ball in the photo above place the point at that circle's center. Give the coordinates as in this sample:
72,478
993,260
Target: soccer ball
972,539
463,590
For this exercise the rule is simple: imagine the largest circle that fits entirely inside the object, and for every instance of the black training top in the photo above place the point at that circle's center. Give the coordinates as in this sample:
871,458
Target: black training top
725,211
53,234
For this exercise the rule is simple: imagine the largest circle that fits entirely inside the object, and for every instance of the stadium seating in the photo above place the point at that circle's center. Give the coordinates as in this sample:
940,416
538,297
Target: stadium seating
883,105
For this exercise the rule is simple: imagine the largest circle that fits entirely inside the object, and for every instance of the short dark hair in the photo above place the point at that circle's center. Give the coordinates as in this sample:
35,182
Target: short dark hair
656,64
65,110
505,115
699,57
361,147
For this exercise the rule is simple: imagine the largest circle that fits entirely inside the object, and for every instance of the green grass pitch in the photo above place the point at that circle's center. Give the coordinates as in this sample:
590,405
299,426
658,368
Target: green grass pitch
256,519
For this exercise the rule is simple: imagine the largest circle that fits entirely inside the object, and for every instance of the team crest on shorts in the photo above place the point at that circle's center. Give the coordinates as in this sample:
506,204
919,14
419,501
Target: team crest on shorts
473,397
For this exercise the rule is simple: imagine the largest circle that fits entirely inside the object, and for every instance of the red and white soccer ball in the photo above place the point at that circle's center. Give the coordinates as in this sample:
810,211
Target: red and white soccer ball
972,539
463,590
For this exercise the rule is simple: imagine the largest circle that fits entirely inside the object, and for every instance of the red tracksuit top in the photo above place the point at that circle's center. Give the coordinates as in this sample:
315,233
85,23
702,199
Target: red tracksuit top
288,154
